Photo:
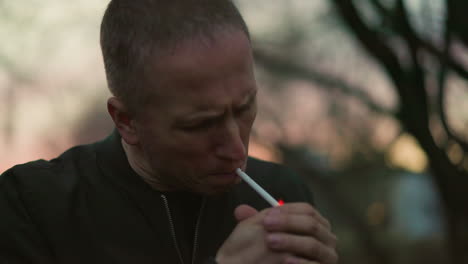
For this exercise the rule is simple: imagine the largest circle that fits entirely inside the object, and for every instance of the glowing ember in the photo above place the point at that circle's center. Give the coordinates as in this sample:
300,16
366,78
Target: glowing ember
281,202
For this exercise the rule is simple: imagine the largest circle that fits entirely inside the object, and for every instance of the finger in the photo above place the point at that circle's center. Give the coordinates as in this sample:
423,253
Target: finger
298,260
302,246
303,208
299,224
244,211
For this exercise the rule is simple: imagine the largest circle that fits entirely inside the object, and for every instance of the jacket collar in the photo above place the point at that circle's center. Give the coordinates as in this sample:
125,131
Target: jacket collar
113,162
217,214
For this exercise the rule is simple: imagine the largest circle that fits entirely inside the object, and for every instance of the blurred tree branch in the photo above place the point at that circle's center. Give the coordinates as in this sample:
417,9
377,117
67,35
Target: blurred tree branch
414,113
442,81
398,19
299,159
15,78
290,69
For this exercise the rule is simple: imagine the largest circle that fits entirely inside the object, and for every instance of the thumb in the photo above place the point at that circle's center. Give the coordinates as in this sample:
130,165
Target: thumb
244,211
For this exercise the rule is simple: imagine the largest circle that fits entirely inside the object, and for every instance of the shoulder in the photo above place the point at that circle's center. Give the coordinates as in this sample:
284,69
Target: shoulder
31,173
35,202
43,178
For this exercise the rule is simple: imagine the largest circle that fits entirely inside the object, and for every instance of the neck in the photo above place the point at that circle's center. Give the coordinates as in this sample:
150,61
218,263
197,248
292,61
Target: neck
140,165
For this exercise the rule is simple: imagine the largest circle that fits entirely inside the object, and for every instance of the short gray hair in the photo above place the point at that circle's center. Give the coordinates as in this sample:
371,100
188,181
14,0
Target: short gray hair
132,30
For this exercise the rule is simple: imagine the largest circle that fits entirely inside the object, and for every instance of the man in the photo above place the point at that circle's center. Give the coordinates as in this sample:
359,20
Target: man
162,188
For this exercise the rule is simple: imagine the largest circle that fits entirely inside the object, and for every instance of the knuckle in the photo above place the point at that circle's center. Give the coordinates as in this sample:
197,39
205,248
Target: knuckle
308,209
285,242
333,259
327,255
278,241
313,247
322,253
313,228
289,259
284,220
333,241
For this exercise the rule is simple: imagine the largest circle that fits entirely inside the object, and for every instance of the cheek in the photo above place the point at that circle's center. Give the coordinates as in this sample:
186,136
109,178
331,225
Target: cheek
245,126
189,147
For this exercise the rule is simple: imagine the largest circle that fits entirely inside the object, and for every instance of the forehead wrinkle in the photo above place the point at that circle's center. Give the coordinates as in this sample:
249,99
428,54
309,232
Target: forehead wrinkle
214,102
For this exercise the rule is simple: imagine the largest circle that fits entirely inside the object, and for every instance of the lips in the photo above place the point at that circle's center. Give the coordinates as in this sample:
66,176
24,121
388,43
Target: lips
229,170
226,174
224,178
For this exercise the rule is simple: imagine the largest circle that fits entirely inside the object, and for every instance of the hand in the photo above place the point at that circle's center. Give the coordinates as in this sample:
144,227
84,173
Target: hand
299,229
247,243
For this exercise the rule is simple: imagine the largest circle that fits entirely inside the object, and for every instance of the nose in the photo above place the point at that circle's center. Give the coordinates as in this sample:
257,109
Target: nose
230,145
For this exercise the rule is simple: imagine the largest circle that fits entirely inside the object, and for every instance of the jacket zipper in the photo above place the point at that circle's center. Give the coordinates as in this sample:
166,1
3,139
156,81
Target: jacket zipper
174,238
197,225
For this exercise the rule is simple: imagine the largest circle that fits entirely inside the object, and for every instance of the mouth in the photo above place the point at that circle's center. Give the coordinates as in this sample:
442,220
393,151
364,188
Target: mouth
226,174
225,178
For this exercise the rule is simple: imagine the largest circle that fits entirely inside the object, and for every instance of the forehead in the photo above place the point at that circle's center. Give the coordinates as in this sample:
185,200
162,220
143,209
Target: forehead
224,51
204,71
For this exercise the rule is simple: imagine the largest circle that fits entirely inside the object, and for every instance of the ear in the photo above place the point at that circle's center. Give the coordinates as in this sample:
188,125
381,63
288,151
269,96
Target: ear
122,120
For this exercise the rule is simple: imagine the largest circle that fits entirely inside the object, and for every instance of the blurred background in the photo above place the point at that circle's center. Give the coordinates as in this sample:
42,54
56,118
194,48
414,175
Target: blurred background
365,99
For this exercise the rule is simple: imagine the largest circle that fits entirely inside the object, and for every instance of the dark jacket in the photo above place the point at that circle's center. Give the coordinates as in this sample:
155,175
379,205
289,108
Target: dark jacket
89,206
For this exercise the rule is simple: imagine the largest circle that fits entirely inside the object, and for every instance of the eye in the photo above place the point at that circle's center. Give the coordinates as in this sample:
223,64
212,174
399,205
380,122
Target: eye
201,125
245,108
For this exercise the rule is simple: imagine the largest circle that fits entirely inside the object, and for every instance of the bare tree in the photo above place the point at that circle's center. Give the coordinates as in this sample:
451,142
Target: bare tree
413,84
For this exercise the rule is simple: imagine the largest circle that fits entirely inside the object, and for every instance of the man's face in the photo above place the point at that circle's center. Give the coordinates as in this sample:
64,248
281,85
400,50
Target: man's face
196,132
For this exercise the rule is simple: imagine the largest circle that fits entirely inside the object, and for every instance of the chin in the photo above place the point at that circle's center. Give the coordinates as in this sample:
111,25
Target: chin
218,189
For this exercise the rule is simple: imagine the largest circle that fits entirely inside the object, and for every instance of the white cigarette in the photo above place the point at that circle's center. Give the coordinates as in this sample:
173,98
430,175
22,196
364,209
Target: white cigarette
257,188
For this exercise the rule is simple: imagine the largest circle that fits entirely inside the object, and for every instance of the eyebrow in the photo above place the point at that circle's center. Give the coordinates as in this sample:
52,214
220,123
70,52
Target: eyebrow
214,113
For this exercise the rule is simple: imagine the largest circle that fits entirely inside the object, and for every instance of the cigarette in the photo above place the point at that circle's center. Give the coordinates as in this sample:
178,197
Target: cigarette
257,188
